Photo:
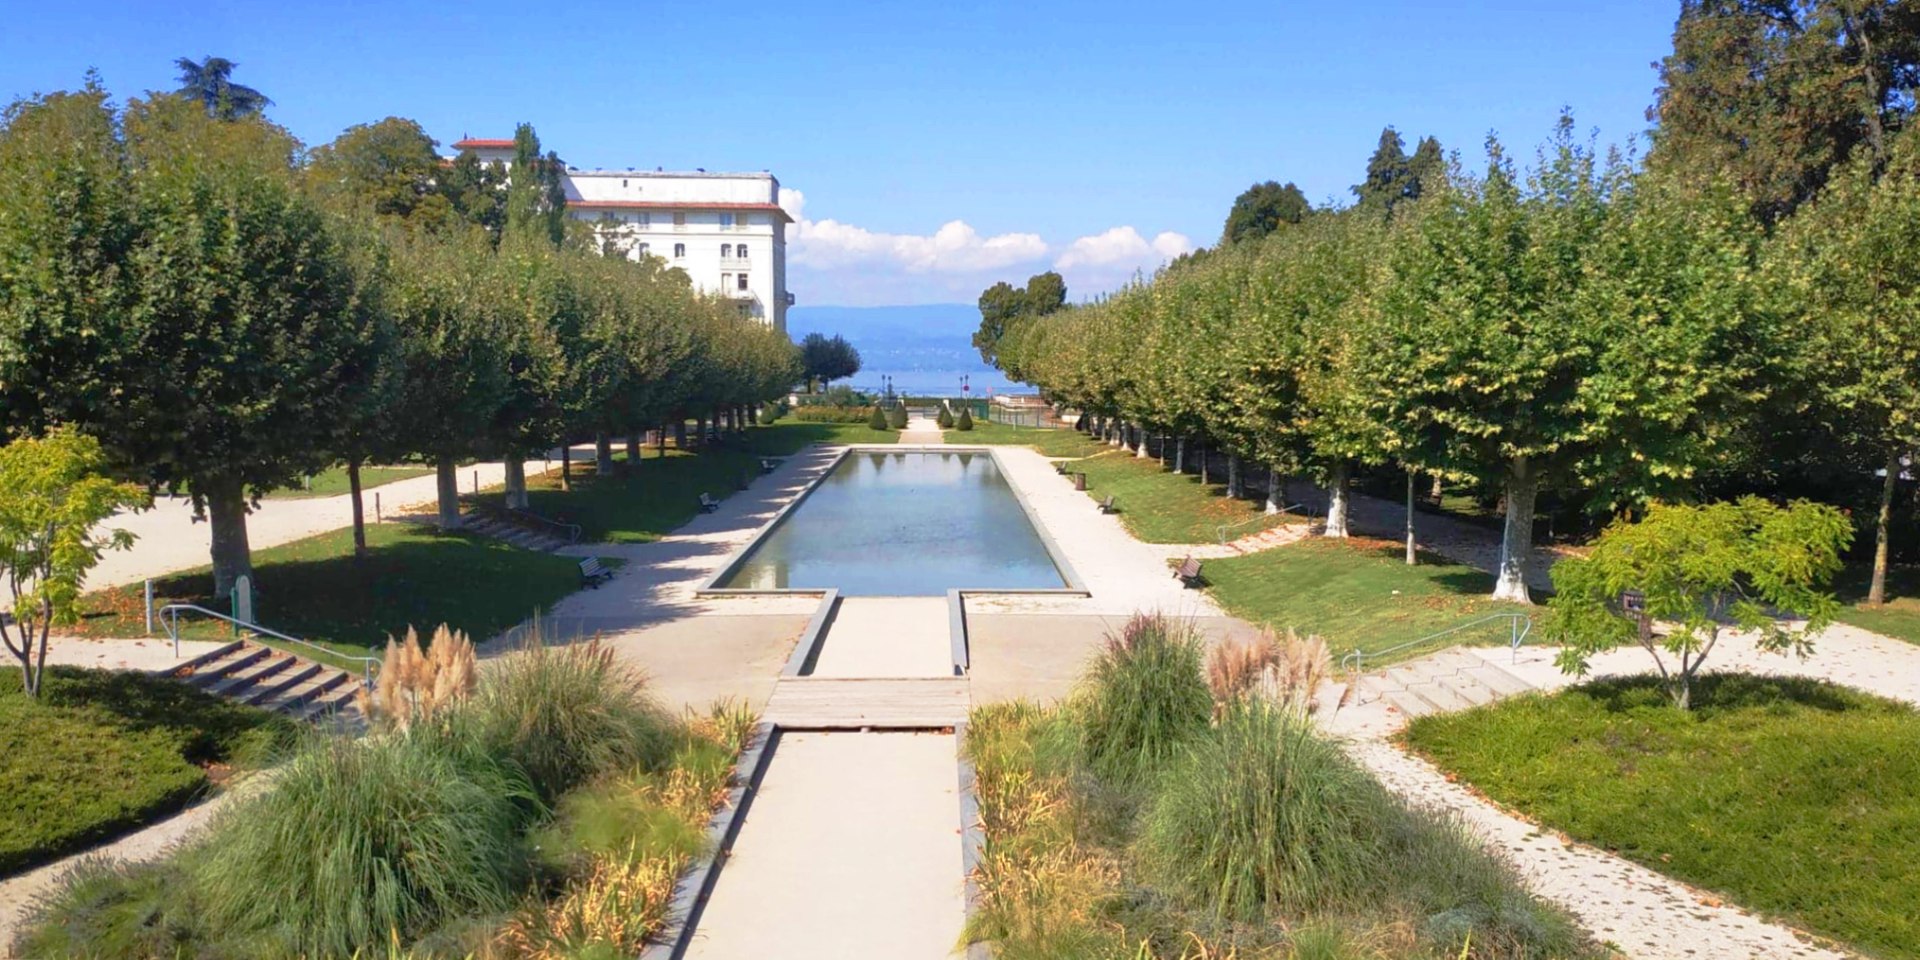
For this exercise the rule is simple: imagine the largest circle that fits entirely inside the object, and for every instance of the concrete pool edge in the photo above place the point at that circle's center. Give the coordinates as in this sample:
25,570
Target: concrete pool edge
695,886
1074,587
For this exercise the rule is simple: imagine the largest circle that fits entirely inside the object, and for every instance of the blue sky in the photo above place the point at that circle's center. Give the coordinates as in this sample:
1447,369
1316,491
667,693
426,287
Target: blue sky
929,148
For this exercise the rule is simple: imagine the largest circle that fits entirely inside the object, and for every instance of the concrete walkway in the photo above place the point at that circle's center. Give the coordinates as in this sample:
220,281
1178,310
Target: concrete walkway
922,430
850,849
887,637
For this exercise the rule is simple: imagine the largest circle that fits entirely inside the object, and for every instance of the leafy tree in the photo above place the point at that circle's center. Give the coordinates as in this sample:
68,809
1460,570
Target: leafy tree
1043,294
389,167
1262,209
1003,305
1700,569
1850,264
827,359
1778,93
52,500
209,82
477,192
1393,177
536,191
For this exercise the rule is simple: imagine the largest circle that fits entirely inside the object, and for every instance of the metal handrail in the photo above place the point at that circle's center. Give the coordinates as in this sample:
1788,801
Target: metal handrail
170,615
1519,625
1305,509
573,530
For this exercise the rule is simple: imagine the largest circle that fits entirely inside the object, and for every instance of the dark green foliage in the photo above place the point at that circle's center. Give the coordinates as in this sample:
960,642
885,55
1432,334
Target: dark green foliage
1003,306
101,752
897,417
1792,797
823,413
1775,95
1394,178
113,910
1263,209
1143,697
945,418
827,359
209,82
877,419
965,421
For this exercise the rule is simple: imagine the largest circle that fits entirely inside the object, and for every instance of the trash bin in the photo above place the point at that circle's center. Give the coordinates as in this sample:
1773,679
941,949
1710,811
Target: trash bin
1079,481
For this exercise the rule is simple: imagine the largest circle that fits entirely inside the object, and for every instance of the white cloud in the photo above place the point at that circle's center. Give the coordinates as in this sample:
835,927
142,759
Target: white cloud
840,263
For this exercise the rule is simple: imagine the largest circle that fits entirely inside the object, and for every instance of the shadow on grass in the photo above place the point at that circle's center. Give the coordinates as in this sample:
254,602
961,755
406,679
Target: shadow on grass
208,728
1717,693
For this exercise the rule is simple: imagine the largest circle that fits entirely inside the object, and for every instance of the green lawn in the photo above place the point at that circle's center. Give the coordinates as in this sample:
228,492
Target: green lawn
415,575
1792,797
102,752
332,482
646,502
1157,505
1359,593
1899,617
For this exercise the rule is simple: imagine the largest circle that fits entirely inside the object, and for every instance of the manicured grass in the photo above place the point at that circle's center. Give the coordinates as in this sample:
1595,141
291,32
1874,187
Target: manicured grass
640,504
1156,505
332,482
102,752
412,575
1359,593
1899,617
1793,797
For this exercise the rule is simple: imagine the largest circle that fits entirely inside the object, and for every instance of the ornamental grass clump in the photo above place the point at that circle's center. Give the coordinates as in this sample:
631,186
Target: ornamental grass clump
420,683
1282,670
357,840
1142,698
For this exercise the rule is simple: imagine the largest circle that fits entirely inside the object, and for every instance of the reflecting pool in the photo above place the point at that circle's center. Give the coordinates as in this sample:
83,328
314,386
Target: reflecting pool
903,523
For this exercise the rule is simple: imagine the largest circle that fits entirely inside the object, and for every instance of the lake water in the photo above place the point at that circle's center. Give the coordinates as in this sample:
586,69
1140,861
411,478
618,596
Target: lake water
903,524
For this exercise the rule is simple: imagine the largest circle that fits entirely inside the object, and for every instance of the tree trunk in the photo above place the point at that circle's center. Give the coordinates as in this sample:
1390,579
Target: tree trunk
680,433
1410,555
227,515
1438,489
1180,455
633,450
660,439
1337,501
1202,454
449,484
1877,592
1140,434
566,465
602,454
359,510
516,482
1234,488
1516,544
1273,490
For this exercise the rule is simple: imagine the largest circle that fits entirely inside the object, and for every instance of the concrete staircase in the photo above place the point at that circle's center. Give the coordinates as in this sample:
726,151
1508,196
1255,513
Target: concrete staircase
275,680
1454,679
1269,538
520,536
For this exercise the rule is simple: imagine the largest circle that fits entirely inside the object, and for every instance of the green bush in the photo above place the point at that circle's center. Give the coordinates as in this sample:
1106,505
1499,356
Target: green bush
563,715
111,909
877,419
102,752
965,421
897,417
945,418
772,412
1261,813
1143,698
357,841
831,414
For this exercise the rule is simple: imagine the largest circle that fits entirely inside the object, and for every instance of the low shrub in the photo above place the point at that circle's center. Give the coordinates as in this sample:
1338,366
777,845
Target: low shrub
897,417
831,414
112,909
1142,698
564,715
357,841
877,419
964,421
945,418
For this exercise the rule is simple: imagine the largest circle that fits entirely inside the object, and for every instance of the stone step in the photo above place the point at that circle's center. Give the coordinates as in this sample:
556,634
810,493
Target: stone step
1440,695
1409,702
282,681
1502,682
238,683
237,659
1462,683
293,699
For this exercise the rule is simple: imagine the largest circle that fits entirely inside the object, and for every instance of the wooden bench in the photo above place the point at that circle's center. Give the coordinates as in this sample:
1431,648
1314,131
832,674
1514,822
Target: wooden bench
769,464
1060,467
592,574
1106,506
1188,572
708,504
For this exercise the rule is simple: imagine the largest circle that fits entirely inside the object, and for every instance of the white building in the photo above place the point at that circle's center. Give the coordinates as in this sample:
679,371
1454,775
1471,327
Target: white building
726,230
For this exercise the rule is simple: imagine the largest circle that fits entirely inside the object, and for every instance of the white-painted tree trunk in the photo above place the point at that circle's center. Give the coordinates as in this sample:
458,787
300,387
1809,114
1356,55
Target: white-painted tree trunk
516,477
1411,560
1273,490
1180,455
448,486
1337,502
1516,542
1140,433
1234,490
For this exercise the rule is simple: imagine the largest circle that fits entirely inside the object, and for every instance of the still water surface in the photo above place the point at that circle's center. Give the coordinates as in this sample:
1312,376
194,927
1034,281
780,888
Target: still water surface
904,524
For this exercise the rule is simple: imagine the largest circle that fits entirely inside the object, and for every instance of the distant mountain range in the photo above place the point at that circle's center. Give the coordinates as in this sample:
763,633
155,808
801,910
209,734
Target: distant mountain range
925,349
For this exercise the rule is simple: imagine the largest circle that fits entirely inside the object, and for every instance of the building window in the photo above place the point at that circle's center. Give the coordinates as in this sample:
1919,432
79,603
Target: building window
623,184
742,280
726,221
726,280
679,219
742,251
645,250
726,251
646,219
679,251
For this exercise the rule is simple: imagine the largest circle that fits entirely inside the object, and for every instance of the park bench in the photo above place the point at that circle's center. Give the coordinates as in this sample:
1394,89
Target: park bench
1188,573
592,574
769,464
708,504
1106,506
1060,467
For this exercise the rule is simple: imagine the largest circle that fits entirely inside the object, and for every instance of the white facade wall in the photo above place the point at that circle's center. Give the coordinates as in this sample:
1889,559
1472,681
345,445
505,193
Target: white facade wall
717,227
